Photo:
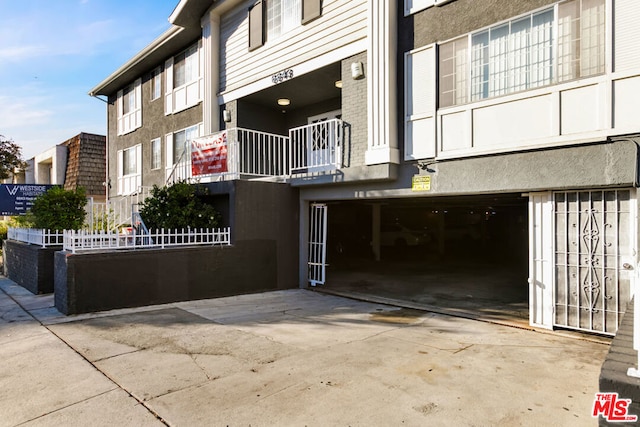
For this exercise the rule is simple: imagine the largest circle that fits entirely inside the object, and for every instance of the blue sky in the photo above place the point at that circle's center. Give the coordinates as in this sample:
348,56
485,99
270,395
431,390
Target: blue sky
53,52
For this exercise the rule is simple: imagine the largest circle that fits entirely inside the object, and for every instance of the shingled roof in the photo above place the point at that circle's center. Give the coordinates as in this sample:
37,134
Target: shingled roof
86,164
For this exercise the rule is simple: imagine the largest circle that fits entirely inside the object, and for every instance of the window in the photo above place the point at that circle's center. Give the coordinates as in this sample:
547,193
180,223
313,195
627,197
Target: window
129,106
180,140
185,67
129,169
524,53
156,79
129,162
183,78
156,153
282,16
279,16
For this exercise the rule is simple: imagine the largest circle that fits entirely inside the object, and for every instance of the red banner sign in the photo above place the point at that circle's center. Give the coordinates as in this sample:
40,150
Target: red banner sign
209,155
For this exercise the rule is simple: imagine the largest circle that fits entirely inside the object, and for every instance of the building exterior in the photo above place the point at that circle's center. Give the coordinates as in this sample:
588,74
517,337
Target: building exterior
507,129
76,162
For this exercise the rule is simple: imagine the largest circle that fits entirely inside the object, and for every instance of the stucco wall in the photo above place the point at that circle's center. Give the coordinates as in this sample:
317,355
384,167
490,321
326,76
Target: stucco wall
604,164
155,124
265,211
458,17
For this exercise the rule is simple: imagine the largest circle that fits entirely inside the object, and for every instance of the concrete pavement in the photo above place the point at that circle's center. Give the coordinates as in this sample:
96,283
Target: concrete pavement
284,358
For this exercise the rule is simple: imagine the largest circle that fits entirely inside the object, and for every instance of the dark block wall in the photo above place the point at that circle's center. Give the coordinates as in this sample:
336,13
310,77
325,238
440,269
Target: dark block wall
30,266
265,211
103,281
621,357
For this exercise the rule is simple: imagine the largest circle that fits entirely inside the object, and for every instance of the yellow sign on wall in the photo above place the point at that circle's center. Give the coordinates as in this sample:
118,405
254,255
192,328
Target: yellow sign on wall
421,183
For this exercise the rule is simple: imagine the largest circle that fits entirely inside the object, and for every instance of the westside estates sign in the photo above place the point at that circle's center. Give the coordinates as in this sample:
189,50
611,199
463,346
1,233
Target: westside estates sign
16,199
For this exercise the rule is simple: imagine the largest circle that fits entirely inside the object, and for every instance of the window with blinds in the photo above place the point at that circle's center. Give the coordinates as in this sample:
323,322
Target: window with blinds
561,43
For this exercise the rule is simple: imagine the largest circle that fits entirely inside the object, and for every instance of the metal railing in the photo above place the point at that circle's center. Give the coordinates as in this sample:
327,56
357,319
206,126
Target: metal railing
83,240
114,213
36,236
251,153
316,147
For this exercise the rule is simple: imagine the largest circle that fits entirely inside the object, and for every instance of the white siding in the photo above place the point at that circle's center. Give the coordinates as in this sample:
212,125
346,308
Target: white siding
342,23
627,34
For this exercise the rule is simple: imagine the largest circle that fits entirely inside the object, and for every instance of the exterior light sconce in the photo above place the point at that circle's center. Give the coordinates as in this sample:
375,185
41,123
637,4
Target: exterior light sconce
284,102
226,116
338,84
357,70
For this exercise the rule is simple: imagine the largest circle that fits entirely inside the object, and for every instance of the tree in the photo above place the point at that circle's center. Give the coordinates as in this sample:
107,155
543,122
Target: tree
59,209
178,206
10,157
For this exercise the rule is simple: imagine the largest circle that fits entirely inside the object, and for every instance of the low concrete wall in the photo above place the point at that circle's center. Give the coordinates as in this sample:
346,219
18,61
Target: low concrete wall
621,357
30,266
103,281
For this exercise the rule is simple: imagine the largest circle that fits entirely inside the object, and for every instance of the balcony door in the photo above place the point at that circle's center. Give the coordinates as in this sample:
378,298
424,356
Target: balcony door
323,147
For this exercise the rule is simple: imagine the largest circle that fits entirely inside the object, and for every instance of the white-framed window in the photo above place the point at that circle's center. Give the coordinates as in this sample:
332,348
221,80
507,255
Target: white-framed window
186,67
156,153
156,84
554,45
279,16
183,80
420,103
129,169
177,144
282,16
129,108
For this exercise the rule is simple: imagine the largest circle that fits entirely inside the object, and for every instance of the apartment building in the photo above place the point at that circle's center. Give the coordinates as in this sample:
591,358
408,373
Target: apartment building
495,138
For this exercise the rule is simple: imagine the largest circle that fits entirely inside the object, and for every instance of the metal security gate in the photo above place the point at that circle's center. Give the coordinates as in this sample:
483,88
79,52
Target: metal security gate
594,253
317,244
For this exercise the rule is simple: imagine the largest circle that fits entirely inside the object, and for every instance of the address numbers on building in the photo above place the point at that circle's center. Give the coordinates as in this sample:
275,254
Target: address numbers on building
282,76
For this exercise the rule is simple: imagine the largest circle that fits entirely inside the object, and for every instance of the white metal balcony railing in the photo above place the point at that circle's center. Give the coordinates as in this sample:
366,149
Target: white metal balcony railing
36,236
115,212
311,148
84,240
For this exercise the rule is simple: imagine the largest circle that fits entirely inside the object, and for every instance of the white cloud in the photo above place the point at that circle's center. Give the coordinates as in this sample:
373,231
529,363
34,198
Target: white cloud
20,53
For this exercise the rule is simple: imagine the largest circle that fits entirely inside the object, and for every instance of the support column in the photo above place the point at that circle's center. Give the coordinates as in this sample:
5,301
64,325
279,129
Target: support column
210,69
381,83
375,230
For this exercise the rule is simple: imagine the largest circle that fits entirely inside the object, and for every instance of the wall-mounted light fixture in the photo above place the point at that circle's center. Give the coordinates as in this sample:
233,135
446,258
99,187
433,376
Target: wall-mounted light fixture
338,84
226,116
357,70
284,101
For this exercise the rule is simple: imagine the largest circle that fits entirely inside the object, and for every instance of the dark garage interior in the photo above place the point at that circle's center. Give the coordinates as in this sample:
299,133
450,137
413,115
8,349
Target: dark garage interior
458,255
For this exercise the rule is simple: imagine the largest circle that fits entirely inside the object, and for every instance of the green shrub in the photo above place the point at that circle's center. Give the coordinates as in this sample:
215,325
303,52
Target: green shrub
4,227
59,209
178,206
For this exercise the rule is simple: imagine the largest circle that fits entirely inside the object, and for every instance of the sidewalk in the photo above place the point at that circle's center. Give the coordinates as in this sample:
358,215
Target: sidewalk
284,358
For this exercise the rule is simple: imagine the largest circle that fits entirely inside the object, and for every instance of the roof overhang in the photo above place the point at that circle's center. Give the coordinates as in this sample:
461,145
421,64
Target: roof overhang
186,28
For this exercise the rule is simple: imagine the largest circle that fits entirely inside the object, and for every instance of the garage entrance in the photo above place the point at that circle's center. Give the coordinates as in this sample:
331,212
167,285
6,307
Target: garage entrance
460,255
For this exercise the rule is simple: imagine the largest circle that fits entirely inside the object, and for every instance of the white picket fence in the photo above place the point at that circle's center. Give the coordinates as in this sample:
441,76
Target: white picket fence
36,236
84,240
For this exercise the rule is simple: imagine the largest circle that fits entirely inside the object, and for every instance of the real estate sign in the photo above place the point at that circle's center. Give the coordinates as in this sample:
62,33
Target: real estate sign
209,154
16,199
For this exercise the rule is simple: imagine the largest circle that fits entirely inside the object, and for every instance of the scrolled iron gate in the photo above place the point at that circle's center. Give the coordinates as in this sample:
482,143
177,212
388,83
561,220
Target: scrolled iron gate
593,258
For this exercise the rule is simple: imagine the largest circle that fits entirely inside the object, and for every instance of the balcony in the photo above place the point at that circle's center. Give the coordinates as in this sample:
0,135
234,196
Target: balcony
249,154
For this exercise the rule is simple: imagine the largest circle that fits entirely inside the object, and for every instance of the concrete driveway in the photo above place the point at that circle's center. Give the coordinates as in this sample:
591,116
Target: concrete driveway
287,358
